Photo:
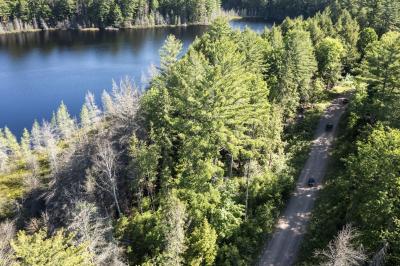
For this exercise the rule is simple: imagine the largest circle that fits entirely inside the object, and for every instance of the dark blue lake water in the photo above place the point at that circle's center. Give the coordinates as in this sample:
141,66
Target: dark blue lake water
39,70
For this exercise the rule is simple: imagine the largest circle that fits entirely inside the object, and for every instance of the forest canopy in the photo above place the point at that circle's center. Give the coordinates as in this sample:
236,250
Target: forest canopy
196,169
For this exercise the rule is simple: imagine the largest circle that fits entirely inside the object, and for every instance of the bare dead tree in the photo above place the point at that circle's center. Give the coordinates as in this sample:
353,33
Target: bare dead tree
125,105
379,257
341,251
7,233
90,227
105,167
93,111
31,183
36,224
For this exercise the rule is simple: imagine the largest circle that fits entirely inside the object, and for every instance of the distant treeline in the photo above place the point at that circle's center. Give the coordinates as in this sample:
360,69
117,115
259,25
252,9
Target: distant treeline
276,9
382,15
104,13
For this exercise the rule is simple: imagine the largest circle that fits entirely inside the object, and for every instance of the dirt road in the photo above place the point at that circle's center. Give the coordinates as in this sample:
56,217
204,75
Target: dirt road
284,244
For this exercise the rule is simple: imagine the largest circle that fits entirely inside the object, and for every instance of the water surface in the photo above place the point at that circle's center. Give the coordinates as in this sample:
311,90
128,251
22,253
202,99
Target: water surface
39,70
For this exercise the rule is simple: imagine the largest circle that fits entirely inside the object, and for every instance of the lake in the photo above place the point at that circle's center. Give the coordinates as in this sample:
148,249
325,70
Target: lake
38,70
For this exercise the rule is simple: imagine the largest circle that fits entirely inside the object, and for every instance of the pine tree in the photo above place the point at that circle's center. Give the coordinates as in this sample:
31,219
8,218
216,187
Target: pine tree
93,110
348,31
367,36
12,143
329,56
299,67
85,118
203,249
169,52
26,143
38,249
108,105
65,123
50,145
174,214
36,136
3,152
381,65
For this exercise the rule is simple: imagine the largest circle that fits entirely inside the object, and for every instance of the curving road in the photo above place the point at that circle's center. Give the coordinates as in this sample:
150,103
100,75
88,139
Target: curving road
284,244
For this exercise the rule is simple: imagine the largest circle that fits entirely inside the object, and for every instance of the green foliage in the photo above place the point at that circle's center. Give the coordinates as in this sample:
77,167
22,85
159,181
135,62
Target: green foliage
144,231
169,53
39,250
204,247
348,29
207,117
381,71
12,143
367,36
329,54
65,124
382,15
103,13
276,10
376,195
299,67
381,65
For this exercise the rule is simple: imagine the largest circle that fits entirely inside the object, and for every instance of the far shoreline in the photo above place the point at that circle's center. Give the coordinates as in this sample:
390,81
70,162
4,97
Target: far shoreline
110,28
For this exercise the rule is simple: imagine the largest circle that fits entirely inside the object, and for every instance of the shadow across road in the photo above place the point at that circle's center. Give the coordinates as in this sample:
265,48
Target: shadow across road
284,244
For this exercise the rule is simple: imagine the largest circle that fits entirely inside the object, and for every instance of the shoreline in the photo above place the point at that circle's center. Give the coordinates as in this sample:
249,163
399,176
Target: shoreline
95,29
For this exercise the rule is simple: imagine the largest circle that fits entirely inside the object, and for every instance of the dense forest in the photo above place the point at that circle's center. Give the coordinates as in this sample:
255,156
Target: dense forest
34,14
196,169
276,10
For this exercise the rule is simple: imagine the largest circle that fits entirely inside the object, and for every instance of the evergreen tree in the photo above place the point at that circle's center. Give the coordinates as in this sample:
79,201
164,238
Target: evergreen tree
169,52
174,216
3,152
108,105
38,249
85,118
367,36
36,137
12,143
204,245
329,56
65,123
26,143
299,67
381,65
376,194
93,111
348,31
